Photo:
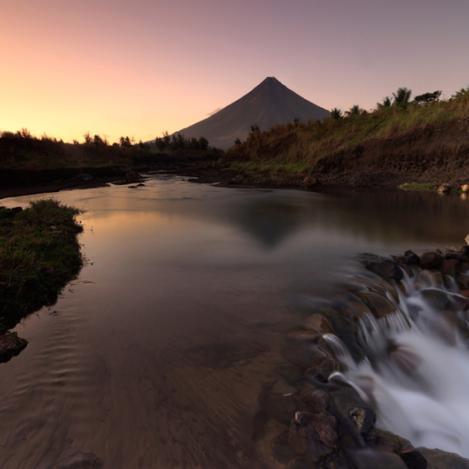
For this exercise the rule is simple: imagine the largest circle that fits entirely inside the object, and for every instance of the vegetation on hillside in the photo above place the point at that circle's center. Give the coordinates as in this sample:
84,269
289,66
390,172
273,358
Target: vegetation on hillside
39,255
21,150
304,147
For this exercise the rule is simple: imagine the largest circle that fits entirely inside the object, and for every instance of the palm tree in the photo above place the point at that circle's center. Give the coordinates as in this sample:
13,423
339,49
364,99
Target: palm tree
386,103
402,97
354,111
336,114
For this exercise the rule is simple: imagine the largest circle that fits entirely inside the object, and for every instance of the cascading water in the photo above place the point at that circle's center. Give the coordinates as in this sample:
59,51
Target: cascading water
415,369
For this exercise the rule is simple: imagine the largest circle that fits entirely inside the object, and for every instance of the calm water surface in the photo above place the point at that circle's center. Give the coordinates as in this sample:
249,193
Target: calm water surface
155,356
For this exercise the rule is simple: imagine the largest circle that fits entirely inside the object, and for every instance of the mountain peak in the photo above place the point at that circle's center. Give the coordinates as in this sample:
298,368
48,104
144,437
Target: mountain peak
269,103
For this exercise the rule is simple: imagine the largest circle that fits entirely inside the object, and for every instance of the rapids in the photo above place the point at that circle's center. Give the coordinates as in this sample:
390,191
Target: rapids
415,368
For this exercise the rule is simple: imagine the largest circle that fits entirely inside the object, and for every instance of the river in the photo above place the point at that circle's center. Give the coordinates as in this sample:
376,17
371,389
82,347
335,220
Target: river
155,356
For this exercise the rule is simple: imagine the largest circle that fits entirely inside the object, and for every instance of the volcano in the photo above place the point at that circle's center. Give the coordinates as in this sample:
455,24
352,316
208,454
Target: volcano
268,104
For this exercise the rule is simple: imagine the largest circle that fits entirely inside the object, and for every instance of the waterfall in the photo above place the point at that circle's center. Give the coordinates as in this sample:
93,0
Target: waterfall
415,364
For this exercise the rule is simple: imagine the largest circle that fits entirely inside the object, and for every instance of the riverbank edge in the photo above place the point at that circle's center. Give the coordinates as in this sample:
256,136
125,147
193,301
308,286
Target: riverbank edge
39,255
305,420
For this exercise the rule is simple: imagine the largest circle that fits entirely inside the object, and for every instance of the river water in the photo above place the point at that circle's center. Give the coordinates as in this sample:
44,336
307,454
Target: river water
156,354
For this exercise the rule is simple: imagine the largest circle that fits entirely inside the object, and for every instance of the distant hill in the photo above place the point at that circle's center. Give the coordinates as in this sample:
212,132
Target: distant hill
268,104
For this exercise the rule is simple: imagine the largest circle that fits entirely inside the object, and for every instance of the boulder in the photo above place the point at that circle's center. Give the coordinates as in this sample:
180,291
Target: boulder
431,260
313,435
10,345
383,267
441,460
368,459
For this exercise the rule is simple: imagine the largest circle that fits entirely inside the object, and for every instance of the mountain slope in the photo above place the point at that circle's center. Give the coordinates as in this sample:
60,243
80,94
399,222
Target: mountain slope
269,104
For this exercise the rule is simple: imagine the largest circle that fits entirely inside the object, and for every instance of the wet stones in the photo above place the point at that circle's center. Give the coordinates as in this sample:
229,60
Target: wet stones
10,345
383,267
367,459
431,260
313,435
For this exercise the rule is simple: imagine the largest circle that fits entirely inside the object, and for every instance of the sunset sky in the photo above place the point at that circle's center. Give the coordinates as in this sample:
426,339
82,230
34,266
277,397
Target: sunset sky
121,67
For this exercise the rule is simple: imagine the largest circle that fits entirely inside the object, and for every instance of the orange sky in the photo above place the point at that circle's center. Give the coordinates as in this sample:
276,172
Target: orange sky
137,68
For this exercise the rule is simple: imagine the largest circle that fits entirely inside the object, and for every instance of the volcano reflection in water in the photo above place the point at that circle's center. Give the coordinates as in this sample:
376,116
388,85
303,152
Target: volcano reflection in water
416,366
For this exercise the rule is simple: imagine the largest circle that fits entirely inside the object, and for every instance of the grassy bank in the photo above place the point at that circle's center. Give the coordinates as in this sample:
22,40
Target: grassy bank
398,142
39,255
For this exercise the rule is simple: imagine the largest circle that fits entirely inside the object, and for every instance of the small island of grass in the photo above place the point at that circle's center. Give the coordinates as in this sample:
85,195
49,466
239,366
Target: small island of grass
39,255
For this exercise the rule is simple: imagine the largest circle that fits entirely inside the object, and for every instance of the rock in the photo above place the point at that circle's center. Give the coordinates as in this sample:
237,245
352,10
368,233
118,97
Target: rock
410,258
385,268
444,189
11,345
414,459
319,324
441,460
315,400
450,266
313,435
430,260
309,182
363,418
368,459
378,305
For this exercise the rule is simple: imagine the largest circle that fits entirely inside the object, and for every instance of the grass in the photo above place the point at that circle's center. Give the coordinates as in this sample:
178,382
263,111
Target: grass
417,186
300,146
39,255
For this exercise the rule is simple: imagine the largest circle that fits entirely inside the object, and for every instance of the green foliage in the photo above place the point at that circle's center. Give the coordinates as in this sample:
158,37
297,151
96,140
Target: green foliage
336,114
426,98
39,254
289,147
402,97
178,142
354,111
385,104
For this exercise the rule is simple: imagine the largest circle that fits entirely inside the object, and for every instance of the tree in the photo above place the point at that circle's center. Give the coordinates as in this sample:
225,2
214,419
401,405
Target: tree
463,92
125,142
426,98
88,139
402,97
237,141
354,111
336,114
385,104
203,143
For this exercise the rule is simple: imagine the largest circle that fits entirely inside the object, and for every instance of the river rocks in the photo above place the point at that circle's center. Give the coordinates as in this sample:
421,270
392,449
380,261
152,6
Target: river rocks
410,258
441,460
383,267
10,345
444,189
309,182
313,436
430,260
368,459
379,305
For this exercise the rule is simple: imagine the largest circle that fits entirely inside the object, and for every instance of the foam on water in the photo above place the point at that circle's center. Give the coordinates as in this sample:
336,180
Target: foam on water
416,365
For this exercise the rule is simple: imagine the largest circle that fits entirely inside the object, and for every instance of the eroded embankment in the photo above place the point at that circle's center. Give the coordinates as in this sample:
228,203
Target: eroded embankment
374,364
39,255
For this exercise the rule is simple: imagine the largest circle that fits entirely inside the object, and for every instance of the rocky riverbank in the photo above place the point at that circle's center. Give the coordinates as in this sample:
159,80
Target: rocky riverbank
39,255
309,419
